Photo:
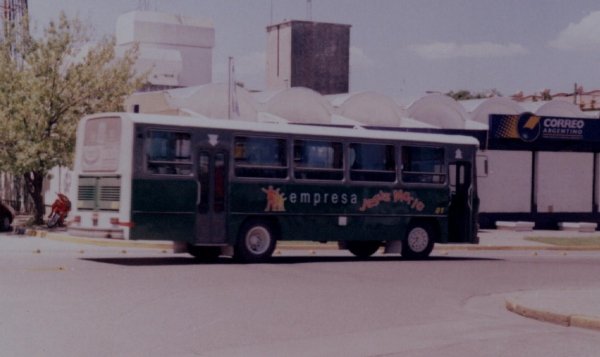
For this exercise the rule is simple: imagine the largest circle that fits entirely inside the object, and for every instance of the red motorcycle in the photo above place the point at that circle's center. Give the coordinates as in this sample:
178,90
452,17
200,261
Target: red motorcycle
60,210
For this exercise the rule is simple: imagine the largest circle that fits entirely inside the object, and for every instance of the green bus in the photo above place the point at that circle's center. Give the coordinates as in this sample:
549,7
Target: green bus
230,187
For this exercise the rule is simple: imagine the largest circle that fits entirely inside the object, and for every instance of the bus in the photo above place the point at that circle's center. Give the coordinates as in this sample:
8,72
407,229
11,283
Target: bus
232,187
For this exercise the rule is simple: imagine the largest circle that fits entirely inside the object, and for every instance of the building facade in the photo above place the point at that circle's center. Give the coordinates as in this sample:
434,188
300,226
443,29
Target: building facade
308,54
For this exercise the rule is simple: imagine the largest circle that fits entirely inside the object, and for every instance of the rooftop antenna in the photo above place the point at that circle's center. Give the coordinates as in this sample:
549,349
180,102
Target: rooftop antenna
309,10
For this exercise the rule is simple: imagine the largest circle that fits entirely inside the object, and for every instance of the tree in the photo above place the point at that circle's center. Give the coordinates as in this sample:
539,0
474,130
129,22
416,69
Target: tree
46,85
466,95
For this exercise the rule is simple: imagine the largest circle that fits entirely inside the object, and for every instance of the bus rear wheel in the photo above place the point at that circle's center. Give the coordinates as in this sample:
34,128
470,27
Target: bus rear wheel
363,248
418,242
256,242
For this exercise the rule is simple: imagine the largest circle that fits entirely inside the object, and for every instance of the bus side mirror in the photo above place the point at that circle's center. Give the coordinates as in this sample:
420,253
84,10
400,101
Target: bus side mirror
482,166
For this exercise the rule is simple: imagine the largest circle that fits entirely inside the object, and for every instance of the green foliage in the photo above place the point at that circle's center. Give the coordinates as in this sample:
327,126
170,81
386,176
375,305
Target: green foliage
46,85
466,95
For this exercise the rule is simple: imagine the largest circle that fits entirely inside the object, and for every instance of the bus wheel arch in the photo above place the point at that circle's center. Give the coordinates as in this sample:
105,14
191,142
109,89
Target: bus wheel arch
363,248
204,253
256,240
420,239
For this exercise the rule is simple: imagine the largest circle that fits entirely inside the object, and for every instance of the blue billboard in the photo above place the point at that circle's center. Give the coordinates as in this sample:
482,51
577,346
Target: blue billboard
528,131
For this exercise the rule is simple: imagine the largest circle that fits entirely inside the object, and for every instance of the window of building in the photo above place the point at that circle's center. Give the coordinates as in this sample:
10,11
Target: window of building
168,153
372,162
423,164
260,157
318,160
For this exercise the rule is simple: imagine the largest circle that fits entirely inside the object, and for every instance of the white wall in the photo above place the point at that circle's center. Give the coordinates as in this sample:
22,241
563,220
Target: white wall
279,57
564,182
192,38
507,186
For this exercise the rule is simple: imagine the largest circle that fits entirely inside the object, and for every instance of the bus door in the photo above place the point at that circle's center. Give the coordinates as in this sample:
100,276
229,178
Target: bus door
210,201
463,203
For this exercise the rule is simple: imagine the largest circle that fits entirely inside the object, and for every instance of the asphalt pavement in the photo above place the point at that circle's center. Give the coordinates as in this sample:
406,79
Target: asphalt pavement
576,308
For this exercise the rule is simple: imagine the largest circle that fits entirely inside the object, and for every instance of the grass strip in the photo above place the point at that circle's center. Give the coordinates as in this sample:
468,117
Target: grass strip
567,241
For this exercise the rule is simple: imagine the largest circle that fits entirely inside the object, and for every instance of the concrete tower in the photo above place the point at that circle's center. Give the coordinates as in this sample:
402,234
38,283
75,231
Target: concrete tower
308,54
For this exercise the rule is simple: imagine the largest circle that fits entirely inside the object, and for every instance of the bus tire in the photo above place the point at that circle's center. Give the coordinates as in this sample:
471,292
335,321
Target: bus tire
5,225
418,242
204,254
363,248
256,242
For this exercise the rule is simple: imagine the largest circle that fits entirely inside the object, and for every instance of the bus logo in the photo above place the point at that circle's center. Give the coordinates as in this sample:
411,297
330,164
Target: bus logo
275,199
396,196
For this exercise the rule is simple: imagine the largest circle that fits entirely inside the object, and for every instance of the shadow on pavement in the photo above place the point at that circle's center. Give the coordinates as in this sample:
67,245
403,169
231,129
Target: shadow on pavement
166,261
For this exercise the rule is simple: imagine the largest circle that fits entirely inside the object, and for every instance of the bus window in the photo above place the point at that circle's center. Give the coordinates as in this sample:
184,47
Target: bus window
318,160
260,157
168,153
423,164
372,162
101,144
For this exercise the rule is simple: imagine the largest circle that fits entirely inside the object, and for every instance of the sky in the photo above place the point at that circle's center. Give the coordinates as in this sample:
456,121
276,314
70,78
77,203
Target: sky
402,48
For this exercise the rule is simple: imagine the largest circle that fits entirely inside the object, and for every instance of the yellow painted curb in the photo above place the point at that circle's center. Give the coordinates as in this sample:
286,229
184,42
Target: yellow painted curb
107,242
581,321
537,314
589,322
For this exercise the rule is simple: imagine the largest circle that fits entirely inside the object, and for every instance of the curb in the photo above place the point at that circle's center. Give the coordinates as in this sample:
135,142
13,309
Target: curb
517,247
581,321
97,242
285,244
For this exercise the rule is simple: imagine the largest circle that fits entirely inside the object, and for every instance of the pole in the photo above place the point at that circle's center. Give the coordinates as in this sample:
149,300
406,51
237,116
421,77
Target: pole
229,88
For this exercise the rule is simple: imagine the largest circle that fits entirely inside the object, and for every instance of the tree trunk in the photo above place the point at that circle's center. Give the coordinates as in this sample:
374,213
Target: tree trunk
34,182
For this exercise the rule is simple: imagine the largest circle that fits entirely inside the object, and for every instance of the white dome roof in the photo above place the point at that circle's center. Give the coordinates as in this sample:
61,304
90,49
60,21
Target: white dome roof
211,100
299,105
558,108
495,105
439,110
370,108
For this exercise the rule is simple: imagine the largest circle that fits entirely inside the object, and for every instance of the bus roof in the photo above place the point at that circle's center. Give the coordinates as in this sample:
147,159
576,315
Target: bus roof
289,128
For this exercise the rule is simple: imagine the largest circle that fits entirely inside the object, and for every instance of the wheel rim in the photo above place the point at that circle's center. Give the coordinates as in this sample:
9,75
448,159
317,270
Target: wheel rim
258,240
418,239
53,220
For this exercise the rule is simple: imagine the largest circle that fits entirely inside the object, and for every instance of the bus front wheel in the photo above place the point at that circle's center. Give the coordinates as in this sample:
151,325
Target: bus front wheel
256,242
364,248
418,242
